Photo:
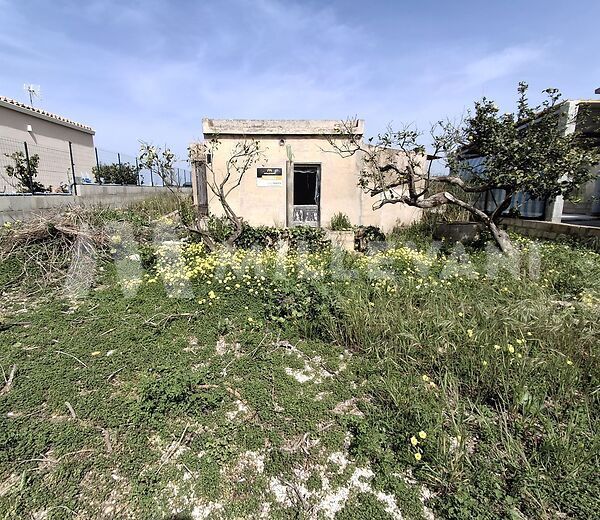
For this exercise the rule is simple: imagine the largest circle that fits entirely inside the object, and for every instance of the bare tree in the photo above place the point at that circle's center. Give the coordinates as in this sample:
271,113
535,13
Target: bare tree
527,151
222,183
159,161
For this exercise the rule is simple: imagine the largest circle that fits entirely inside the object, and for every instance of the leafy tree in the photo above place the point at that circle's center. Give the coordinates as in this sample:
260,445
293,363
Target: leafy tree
525,151
114,173
25,173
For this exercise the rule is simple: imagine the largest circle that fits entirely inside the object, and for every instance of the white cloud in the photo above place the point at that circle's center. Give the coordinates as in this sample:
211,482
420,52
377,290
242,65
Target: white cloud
153,69
502,63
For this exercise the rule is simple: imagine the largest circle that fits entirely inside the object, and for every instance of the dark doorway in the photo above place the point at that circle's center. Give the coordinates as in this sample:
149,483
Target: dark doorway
307,185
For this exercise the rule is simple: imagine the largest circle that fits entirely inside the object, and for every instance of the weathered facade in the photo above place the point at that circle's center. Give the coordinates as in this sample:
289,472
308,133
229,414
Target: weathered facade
300,179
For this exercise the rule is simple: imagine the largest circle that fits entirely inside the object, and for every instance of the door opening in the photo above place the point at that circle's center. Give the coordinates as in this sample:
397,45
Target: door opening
307,187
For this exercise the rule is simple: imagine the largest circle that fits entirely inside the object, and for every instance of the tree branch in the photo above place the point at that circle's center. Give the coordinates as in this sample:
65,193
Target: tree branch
457,181
434,201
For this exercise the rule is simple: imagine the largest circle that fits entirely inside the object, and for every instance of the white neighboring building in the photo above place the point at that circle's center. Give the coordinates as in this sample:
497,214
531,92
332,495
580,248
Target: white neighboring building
47,135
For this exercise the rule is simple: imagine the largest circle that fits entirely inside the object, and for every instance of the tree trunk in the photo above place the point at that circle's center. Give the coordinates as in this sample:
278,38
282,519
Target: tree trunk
501,237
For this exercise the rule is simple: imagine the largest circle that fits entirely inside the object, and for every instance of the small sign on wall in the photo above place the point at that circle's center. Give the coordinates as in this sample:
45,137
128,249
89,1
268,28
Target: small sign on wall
269,177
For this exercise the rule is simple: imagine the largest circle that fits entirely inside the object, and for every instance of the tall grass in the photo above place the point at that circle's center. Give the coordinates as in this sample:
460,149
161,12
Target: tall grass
502,373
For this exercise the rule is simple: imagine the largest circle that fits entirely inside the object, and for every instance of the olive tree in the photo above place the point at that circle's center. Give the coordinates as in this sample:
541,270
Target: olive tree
525,151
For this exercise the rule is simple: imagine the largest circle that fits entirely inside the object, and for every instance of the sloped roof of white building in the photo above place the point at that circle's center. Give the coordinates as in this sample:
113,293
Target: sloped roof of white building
43,114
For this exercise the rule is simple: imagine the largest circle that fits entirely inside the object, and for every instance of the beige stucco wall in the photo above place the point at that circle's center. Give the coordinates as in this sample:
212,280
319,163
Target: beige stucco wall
339,184
50,141
389,215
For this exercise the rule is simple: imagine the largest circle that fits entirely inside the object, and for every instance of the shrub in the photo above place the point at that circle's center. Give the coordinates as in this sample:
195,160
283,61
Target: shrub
219,228
307,237
340,222
300,237
265,237
125,173
365,234
25,172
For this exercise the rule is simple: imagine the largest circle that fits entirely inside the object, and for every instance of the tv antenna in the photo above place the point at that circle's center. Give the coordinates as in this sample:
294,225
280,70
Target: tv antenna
34,91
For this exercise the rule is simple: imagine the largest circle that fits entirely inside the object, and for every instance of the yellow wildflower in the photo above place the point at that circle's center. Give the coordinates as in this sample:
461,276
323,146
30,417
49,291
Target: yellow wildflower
422,434
414,441
417,456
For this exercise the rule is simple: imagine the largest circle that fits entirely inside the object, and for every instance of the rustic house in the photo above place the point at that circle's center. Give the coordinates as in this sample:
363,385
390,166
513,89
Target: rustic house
300,179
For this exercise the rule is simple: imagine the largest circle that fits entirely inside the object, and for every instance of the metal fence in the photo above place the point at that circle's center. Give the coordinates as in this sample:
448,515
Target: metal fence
521,204
60,170
106,161
52,168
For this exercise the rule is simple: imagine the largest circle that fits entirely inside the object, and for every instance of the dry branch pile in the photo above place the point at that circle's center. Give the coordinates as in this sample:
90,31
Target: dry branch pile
45,246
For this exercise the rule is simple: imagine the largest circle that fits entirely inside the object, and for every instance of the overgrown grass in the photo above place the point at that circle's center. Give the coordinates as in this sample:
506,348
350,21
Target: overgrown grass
248,383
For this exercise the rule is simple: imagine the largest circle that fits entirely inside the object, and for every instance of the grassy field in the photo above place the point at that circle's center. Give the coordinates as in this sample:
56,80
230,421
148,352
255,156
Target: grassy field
403,384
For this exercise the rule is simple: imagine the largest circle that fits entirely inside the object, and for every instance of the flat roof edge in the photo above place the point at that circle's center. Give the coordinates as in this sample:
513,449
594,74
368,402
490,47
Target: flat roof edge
274,127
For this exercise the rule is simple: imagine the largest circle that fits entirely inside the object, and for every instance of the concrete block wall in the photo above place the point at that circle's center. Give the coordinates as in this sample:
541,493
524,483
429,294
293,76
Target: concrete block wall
341,239
120,196
22,206
552,230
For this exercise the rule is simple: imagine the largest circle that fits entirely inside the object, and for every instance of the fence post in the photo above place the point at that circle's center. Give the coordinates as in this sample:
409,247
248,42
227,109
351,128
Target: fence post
73,167
137,169
120,167
28,167
97,166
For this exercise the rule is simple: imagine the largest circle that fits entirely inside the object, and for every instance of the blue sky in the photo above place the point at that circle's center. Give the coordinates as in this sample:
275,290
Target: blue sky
152,69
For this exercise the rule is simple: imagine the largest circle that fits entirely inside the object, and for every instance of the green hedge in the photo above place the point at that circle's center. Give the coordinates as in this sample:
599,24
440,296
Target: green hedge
261,237
300,237
114,173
